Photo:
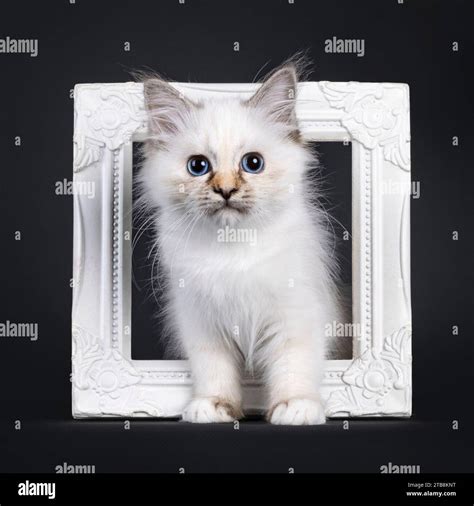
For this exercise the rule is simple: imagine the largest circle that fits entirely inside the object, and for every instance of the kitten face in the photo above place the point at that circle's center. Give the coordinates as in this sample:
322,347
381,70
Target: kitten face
225,160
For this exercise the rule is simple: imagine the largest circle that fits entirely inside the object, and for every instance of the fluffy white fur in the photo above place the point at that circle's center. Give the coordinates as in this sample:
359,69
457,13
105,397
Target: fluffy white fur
260,306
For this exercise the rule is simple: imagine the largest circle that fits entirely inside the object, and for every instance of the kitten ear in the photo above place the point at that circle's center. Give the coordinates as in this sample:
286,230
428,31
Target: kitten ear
167,108
277,95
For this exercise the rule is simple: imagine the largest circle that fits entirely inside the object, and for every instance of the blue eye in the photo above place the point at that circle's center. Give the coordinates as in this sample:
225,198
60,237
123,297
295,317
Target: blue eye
198,165
252,163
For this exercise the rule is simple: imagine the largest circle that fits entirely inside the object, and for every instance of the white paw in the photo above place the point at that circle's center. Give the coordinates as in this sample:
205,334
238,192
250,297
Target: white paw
298,412
210,410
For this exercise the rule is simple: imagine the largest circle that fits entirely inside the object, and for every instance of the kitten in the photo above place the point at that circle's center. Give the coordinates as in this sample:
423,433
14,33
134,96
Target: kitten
249,269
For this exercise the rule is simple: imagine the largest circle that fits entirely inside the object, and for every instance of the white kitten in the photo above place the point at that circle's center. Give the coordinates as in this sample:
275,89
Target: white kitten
250,277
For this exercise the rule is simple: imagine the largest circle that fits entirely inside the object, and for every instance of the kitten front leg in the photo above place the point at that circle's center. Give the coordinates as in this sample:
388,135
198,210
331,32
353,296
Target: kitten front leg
215,370
216,385
293,373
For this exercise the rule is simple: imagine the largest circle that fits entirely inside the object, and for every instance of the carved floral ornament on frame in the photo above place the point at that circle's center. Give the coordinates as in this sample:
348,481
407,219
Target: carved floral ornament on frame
376,382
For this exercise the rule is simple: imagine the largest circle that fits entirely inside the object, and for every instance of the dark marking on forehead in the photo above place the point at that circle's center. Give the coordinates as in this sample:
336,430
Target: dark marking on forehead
295,136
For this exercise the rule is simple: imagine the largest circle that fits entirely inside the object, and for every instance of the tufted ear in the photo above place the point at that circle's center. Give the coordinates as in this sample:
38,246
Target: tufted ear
168,110
277,95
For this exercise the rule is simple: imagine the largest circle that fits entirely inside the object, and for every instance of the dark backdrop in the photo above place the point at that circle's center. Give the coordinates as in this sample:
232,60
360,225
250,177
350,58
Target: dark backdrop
84,42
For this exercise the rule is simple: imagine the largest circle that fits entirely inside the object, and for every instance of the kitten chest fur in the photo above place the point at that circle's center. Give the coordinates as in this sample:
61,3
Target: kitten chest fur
242,291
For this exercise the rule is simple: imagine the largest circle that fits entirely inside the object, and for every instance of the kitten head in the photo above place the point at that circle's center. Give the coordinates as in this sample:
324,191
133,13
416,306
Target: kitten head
225,159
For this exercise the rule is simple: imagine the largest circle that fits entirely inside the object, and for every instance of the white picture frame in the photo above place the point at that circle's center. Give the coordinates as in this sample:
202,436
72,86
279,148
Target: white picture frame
374,117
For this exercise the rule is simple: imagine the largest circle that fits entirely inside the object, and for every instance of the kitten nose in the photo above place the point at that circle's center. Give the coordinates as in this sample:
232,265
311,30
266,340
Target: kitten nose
226,193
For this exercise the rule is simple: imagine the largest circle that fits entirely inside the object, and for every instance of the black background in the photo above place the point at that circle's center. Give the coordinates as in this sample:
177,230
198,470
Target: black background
83,42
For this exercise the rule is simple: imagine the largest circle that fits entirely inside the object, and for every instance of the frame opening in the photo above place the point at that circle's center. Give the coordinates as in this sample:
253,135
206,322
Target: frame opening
332,178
